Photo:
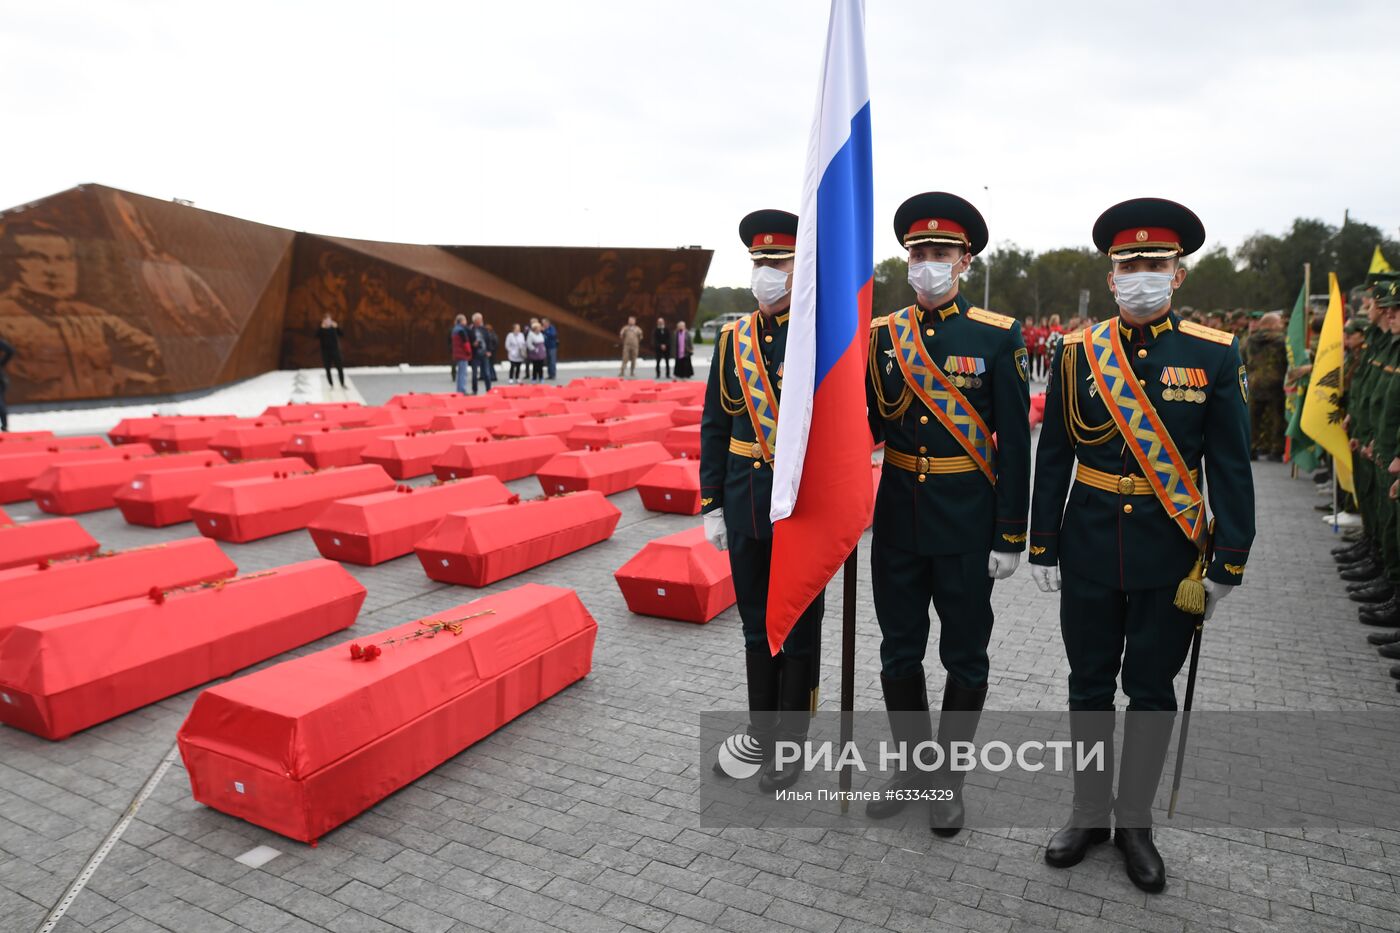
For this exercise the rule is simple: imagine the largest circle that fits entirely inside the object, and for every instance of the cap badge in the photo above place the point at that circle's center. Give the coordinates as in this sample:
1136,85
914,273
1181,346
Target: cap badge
768,238
933,225
1142,236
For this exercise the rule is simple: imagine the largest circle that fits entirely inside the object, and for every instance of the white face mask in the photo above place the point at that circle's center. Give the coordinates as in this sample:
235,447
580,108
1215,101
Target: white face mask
1142,293
769,285
932,280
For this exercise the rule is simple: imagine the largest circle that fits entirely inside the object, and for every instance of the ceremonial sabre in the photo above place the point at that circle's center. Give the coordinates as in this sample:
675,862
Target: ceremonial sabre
1190,682
848,669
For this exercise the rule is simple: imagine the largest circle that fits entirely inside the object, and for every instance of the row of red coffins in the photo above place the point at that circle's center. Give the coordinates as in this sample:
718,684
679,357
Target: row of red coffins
302,746
18,470
248,509
63,673
71,488
33,543
162,497
384,525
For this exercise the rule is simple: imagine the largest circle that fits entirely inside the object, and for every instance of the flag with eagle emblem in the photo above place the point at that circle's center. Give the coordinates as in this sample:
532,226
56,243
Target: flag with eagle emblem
1322,409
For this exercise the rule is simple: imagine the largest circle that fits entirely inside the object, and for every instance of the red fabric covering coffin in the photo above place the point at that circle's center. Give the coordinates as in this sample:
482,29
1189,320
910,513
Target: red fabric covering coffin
29,593
598,408
17,471
249,509
524,390
303,746
680,576
672,486
16,437
70,488
687,414
538,406
383,525
139,430
538,425
38,445
684,441
163,498
412,400
407,419
336,447
481,546
631,429
649,407
460,421
72,671
185,436
5,518
506,460
291,413
347,418
409,455
257,441
51,539
610,470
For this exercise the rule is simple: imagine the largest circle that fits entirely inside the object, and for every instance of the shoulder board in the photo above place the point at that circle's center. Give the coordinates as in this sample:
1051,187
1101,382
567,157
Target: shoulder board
876,322
1074,336
983,316
1193,329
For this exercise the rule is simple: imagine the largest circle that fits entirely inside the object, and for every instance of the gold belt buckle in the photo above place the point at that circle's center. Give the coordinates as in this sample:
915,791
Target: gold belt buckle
1125,485
923,464
756,451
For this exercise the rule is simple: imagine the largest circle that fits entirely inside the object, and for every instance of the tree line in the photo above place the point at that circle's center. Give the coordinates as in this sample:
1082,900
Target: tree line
1264,273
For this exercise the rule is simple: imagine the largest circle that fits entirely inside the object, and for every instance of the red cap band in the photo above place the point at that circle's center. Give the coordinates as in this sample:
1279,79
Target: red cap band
936,225
773,241
1145,237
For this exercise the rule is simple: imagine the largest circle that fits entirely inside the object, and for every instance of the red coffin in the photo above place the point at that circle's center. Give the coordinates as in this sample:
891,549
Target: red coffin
183,436
680,576
333,447
687,414
506,460
672,486
649,427
407,455
684,441
139,430
303,411
524,390
459,421
303,746
18,437
647,406
481,546
346,418
257,441
37,445
29,593
68,672
163,498
610,470
70,488
5,519
409,400
17,471
248,509
383,525
537,425
538,406
598,408
406,419
52,539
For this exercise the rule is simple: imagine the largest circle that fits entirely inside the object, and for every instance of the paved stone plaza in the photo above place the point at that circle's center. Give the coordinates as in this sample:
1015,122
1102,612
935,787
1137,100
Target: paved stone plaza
581,815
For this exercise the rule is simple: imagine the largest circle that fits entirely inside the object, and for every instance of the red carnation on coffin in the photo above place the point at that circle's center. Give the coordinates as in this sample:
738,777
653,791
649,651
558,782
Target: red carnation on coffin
372,652
157,595
356,652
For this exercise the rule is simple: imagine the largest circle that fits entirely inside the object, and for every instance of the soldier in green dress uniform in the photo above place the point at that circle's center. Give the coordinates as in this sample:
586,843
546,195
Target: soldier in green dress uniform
1378,572
1135,406
737,437
945,378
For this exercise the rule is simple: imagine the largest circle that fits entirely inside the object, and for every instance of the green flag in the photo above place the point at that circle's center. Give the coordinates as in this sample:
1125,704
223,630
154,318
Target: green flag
1302,450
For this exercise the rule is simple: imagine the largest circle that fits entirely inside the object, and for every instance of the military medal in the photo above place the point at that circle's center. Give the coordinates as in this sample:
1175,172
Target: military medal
1183,384
964,371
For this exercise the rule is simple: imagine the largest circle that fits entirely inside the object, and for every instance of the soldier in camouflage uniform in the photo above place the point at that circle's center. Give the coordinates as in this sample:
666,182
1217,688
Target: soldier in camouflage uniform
1267,363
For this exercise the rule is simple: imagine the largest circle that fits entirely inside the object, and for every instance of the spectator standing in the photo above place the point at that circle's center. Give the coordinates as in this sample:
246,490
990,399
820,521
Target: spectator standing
515,351
661,346
329,335
7,353
1266,366
536,352
493,345
684,370
551,346
481,353
461,351
631,336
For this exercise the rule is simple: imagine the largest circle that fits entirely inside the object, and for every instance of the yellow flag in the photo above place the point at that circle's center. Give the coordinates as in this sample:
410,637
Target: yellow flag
1378,263
1322,411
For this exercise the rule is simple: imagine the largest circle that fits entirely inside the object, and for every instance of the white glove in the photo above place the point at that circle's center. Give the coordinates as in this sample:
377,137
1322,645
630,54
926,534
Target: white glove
714,529
1047,578
1002,564
1215,592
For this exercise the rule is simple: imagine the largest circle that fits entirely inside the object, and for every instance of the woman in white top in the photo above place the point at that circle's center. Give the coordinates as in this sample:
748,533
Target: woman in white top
515,351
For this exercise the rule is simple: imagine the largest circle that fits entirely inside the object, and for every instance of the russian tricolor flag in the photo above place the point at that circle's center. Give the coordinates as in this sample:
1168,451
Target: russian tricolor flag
821,468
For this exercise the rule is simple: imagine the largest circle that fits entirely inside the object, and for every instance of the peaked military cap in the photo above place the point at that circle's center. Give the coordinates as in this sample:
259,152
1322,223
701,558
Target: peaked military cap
940,217
769,234
1148,228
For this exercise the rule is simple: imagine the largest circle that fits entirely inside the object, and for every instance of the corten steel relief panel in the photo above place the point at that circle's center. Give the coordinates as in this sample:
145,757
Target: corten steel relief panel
110,294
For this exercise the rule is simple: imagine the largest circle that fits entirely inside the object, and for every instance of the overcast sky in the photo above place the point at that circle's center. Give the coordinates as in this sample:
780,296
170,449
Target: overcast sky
661,123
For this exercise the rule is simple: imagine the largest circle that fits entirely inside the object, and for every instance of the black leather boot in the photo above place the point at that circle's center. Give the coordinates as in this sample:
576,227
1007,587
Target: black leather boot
1386,613
906,702
1093,792
1383,638
1366,570
1390,651
1345,553
794,716
1146,736
1375,591
755,746
945,817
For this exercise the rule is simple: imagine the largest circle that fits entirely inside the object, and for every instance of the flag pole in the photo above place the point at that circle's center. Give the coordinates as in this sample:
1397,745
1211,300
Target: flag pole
848,669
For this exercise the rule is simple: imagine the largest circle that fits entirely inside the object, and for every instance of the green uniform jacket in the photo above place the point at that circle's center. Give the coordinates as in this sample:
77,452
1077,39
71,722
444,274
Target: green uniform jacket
741,485
1387,407
1128,542
1358,394
954,513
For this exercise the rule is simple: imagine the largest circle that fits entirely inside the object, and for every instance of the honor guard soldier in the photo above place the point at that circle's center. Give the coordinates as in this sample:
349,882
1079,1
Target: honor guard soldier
948,395
738,433
1140,401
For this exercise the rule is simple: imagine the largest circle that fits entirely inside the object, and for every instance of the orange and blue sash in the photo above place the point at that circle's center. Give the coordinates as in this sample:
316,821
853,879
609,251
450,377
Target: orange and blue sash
753,380
939,395
1144,433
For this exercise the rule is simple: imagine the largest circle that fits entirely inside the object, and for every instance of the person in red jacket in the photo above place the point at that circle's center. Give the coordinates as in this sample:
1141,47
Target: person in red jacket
461,351
1034,337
